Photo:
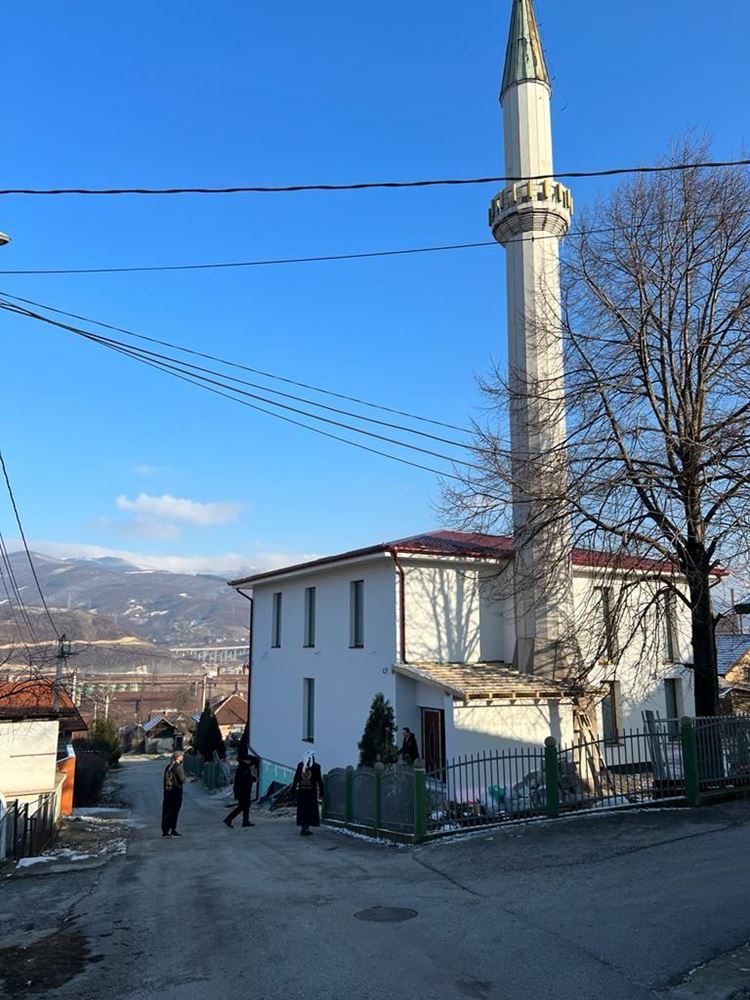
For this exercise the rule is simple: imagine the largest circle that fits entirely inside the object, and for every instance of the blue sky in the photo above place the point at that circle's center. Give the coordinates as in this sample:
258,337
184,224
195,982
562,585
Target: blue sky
108,455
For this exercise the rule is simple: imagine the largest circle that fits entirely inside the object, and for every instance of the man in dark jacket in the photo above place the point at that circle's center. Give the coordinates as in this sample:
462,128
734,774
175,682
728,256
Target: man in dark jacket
244,778
409,748
174,779
308,781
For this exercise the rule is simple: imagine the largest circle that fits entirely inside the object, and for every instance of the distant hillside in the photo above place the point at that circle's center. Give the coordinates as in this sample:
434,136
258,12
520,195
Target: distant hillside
173,609
98,643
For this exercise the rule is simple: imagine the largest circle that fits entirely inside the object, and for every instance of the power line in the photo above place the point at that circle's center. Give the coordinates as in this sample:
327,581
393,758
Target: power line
277,392
25,545
201,382
532,237
253,263
369,185
14,595
238,366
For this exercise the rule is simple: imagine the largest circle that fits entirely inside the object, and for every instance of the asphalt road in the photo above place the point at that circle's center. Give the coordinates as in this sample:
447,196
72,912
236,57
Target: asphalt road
618,907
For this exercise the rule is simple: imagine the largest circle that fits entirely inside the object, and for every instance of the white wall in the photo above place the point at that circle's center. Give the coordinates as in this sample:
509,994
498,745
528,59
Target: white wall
455,612
28,755
642,664
504,726
346,680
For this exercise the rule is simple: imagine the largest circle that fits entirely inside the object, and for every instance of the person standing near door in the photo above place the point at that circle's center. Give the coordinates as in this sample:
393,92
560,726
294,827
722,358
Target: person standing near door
174,779
409,751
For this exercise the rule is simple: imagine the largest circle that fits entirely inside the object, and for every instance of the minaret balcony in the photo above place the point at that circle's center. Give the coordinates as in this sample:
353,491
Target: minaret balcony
531,207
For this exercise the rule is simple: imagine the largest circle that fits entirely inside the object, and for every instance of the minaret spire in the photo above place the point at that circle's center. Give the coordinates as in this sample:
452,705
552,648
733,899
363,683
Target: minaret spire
529,217
524,58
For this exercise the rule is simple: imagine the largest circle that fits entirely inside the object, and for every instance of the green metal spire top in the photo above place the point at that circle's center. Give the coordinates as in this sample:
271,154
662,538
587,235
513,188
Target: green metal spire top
524,59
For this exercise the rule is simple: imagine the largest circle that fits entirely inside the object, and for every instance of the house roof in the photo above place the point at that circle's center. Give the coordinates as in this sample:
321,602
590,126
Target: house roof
34,699
731,651
153,723
231,710
484,681
461,545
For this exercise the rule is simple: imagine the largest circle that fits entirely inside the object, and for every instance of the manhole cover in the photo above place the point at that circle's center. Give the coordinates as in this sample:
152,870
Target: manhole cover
386,914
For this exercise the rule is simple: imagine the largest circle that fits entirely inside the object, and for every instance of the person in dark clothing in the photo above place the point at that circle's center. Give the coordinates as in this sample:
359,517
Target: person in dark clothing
244,778
308,781
174,779
409,748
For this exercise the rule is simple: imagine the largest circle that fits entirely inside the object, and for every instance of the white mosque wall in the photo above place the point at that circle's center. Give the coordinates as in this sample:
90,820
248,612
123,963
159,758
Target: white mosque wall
345,679
456,612
642,664
472,728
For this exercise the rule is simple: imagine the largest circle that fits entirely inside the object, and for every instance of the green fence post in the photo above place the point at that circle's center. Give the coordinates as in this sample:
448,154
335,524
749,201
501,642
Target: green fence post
690,761
349,795
325,797
379,768
420,801
552,777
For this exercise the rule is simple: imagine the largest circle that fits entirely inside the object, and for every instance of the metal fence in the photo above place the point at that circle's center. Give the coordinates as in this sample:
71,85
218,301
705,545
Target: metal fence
26,828
335,794
213,773
377,799
486,788
722,746
667,759
641,765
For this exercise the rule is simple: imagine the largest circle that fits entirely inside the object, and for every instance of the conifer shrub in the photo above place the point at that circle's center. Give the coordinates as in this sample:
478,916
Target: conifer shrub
378,739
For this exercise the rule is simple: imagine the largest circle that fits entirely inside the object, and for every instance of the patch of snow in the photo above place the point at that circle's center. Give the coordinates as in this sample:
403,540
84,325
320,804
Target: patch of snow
380,841
62,854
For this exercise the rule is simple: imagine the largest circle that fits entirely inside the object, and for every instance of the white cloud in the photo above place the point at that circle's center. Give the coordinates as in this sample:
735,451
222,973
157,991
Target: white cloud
226,564
171,509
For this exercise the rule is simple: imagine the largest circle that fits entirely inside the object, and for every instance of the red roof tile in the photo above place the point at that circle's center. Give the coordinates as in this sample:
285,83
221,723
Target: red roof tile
464,545
35,699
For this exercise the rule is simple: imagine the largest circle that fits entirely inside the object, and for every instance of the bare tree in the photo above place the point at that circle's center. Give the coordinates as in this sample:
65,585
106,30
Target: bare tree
656,327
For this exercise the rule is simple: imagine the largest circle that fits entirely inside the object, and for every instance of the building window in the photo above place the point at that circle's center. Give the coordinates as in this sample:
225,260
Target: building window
610,644
308,709
309,639
669,617
276,622
611,712
673,702
357,614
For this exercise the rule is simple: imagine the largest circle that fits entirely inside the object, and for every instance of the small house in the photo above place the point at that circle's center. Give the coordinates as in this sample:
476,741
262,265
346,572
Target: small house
159,735
37,722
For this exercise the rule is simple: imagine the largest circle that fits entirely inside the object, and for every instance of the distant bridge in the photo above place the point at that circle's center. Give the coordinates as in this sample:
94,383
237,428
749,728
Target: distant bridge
212,654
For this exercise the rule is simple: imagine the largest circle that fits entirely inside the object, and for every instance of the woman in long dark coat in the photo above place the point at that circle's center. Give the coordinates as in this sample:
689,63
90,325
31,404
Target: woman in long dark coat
308,781
244,779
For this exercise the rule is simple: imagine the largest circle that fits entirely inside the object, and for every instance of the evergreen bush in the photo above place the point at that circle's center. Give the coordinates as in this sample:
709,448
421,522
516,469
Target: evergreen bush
378,739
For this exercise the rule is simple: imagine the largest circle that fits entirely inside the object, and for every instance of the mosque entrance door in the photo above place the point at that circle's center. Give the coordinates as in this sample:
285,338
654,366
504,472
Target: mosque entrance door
433,739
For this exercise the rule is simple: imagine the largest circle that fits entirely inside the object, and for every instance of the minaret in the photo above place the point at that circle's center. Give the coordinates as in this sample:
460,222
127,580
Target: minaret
529,217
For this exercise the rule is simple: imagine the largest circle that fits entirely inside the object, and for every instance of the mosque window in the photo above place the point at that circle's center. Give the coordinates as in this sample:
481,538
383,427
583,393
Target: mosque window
276,622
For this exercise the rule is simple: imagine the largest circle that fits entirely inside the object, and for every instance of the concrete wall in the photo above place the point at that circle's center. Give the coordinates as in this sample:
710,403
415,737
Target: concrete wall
28,756
456,613
346,680
642,665
505,726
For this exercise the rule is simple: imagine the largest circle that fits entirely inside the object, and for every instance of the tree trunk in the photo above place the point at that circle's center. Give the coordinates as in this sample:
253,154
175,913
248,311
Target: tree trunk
702,626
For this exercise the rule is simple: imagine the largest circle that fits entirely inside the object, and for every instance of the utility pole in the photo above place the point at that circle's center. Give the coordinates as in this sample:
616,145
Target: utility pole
63,652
